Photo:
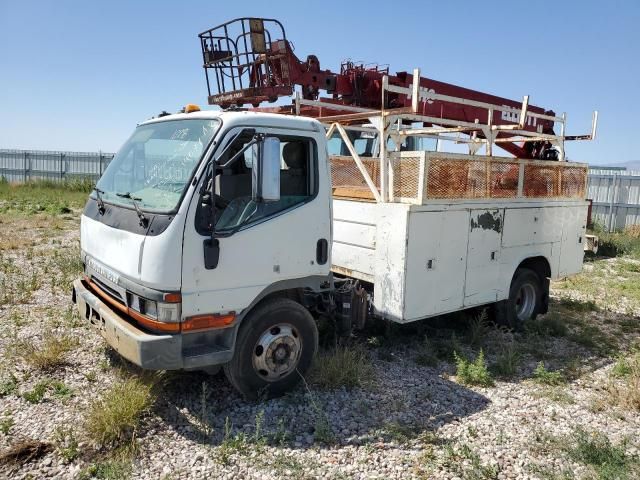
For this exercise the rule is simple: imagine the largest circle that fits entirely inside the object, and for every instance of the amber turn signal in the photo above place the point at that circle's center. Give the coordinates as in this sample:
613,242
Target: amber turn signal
204,322
172,297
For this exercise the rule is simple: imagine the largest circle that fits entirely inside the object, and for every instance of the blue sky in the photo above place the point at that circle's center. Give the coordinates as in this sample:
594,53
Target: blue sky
80,75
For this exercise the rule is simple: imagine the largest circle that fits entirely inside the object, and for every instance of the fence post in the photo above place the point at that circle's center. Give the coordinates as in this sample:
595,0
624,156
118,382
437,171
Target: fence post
26,156
62,166
612,202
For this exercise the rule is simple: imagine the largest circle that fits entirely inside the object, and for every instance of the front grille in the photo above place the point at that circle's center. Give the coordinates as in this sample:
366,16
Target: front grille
108,290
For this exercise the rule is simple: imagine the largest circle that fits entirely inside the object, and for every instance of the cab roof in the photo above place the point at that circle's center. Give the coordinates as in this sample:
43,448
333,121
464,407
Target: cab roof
230,118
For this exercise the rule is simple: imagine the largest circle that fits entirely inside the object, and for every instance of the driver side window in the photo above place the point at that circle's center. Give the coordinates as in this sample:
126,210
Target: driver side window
233,202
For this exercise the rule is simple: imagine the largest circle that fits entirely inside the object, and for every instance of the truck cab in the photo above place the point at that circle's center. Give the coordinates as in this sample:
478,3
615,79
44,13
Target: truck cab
200,219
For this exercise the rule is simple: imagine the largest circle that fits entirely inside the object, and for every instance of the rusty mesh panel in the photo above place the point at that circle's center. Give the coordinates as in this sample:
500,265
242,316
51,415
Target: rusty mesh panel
504,179
406,177
456,178
573,182
348,182
541,181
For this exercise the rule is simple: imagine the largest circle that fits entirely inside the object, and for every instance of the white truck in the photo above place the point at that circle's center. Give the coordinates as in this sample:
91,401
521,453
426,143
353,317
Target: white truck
217,238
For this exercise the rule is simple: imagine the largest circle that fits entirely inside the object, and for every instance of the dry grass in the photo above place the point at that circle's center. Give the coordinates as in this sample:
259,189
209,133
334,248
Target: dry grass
344,366
624,391
116,416
626,395
24,451
51,353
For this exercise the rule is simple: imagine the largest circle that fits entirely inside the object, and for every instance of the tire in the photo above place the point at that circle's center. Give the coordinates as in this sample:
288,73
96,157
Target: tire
276,344
526,300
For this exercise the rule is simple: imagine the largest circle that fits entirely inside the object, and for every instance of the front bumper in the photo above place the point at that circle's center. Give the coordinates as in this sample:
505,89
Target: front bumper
191,351
153,352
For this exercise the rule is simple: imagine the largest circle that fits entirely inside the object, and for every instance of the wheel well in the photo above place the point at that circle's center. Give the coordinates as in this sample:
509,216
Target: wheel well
540,265
294,294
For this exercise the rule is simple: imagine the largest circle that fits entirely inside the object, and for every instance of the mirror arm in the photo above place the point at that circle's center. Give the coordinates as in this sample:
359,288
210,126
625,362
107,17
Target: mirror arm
237,155
230,144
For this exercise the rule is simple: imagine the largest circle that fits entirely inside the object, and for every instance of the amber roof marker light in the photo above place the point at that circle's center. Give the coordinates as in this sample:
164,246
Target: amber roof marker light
191,107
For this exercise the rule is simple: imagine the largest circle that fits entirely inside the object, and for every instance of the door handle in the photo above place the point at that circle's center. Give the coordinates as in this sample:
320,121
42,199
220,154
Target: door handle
322,251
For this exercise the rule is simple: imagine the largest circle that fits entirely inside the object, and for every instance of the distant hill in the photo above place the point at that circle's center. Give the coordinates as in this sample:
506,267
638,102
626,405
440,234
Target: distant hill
633,165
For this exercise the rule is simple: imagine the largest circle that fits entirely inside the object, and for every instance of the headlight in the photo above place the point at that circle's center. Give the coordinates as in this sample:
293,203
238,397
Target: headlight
161,311
150,308
168,312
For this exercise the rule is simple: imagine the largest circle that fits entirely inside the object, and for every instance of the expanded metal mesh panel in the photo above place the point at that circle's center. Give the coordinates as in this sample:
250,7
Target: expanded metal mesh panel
504,179
406,177
573,182
456,179
347,180
451,176
541,181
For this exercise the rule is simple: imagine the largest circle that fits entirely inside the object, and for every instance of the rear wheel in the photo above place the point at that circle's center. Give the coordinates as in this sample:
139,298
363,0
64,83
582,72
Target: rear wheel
276,344
525,300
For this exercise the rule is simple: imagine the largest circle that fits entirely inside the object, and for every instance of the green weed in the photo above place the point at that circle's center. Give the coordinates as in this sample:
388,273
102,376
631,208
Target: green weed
37,393
508,360
473,373
546,377
66,444
8,386
5,424
594,449
478,329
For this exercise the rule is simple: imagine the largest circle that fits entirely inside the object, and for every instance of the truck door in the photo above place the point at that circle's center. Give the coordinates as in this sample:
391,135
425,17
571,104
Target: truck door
483,252
572,245
436,259
277,242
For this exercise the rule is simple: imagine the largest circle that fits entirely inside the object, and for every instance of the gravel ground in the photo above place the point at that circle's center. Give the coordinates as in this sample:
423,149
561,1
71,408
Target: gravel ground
411,421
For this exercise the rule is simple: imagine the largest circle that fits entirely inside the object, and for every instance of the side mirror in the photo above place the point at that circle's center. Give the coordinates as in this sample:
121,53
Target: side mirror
265,185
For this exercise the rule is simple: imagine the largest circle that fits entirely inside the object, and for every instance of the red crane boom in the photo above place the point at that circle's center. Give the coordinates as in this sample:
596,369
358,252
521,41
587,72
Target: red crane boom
250,61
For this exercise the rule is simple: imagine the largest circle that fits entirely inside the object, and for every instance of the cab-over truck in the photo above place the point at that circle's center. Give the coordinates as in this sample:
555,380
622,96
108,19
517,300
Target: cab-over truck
217,238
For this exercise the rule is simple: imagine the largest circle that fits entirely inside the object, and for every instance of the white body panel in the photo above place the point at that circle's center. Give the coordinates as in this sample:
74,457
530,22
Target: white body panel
354,238
279,249
154,261
432,259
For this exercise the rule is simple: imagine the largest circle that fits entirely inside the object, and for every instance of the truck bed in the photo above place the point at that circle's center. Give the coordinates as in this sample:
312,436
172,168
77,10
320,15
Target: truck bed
458,244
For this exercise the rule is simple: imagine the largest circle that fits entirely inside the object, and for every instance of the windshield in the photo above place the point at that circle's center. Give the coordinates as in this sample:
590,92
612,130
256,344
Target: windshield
153,168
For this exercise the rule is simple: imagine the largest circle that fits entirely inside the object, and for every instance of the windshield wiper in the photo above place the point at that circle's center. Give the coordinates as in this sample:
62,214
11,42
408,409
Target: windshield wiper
144,221
101,207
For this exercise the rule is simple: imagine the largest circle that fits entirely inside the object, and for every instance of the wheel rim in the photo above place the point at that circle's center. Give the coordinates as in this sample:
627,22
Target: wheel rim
525,302
277,352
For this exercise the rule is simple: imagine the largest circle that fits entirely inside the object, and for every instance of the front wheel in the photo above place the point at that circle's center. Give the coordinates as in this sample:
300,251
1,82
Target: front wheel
276,344
525,300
